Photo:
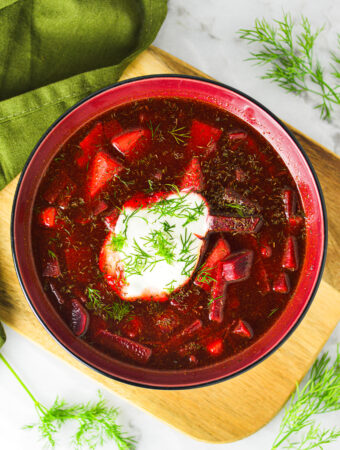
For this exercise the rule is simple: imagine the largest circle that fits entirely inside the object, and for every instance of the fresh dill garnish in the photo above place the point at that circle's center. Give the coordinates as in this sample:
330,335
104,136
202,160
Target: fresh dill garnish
118,241
161,244
169,287
192,214
168,228
126,183
97,422
186,254
186,240
212,299
155,131
51,254
204,275
178,207
273,311
320,395
293,65
116,311
179,134
240,209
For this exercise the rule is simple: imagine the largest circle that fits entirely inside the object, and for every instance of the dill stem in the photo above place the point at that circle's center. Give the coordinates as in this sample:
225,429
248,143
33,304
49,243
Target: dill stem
37,404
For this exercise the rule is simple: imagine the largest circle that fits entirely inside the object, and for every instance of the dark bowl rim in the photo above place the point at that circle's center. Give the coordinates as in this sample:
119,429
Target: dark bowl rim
296,142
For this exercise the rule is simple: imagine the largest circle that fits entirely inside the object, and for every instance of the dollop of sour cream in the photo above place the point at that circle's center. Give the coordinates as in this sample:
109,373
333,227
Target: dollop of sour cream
158,246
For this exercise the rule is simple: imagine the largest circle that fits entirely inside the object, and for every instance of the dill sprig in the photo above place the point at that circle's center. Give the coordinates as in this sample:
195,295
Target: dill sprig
116,311
97,422
161,244
118,241
169,287
51,254
320,395
179,134
156,133
204,275
293,65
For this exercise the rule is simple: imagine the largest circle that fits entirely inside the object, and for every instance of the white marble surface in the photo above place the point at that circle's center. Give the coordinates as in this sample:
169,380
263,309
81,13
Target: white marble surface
203,33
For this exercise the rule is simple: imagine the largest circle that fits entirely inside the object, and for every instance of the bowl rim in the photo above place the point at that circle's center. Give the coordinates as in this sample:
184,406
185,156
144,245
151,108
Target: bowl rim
322,204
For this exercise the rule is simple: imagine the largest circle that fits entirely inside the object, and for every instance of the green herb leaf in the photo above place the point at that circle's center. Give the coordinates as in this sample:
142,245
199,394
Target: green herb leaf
97,422
116,310
118,242
179,134
290,56
320,395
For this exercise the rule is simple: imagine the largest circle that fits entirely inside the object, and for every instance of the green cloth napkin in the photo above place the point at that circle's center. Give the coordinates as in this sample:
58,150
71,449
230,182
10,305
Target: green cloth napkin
55,52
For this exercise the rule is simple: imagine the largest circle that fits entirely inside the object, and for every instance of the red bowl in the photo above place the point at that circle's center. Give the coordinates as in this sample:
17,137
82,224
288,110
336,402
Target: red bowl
246,109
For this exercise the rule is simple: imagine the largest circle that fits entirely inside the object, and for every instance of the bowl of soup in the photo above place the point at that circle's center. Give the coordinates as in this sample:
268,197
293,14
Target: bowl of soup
169,232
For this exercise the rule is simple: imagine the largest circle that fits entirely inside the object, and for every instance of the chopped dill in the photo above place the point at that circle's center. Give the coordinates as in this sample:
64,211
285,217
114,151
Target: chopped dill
179,134
51,254
169,287
204,275
118,242
116,311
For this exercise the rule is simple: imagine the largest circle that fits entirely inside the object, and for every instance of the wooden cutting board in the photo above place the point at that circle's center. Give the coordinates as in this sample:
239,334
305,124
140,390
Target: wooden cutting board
236,408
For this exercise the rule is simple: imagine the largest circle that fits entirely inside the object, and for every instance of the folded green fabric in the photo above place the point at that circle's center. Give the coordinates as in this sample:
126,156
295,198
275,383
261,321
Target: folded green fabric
55,52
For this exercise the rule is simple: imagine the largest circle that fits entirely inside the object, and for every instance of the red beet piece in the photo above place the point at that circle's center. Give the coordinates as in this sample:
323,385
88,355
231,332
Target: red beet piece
133,327
56,292
60,190
261,276
228,224
290,254
282,284
79,318
90,145
237,266
127,347
99,207
52,268
111,129
193,177
47,217
289,202
295,223
233,197
215,347
266,251
243,329
167,321
103,168
185,334
218,253
132,143
237,135
203,137
218,294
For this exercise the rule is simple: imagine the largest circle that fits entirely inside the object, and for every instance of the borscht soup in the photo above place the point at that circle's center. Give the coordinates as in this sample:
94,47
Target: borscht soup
168,233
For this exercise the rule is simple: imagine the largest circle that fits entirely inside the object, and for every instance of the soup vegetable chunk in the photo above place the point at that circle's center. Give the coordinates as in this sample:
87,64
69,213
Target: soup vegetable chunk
168,233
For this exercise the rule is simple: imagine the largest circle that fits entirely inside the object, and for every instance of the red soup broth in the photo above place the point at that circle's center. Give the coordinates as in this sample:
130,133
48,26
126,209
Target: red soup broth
152,155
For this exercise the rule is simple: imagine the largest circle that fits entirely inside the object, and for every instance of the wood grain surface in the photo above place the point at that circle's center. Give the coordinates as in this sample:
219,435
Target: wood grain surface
235,408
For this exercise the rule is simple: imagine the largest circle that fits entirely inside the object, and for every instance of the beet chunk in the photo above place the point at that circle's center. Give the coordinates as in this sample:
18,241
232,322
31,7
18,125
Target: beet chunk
193,178
127,347
290,254
282,284
237,266
79,318
229,224
243,329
